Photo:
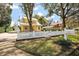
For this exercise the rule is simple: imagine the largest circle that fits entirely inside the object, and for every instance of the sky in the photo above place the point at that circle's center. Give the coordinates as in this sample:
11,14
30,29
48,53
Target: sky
17,13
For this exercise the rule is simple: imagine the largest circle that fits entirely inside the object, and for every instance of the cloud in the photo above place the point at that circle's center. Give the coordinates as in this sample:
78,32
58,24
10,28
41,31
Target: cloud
40,14
48,18
15,6
54,15
36,8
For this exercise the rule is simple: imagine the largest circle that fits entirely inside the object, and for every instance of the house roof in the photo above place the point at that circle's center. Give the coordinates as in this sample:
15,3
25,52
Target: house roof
27,24
34,22
48,27
55,23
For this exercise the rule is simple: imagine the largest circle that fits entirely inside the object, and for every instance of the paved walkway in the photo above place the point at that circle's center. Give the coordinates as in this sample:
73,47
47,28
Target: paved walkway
7,46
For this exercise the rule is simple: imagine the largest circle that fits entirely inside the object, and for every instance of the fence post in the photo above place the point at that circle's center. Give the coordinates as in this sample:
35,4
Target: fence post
65,34
33,34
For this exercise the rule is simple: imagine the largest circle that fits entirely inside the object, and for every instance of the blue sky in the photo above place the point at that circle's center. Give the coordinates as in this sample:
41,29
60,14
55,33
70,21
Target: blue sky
39,10
16,13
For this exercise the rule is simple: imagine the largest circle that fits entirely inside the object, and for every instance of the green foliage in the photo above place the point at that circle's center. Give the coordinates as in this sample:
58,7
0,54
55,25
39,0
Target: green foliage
64,10
7,30
42,20
1,29
5,18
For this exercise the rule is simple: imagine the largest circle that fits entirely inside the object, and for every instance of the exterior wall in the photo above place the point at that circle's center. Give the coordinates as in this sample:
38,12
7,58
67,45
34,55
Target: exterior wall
22,28
26,28
35,28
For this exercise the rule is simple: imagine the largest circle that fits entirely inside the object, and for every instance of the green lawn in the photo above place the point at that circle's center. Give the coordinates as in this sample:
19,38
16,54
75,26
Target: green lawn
49,46
74,38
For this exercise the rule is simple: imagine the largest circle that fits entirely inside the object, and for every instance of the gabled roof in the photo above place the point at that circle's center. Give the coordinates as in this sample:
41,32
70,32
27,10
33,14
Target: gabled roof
34,22
55,23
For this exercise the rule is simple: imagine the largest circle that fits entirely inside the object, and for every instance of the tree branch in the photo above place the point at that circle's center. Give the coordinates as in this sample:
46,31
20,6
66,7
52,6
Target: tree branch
73,13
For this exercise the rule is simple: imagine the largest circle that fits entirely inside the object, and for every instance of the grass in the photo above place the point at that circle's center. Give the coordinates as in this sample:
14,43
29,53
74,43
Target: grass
46,46
52,46
39,47
74,38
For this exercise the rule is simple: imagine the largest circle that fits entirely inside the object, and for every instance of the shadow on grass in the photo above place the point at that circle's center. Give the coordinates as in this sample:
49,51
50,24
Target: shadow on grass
41,47
67,48
75,52
44,47
33,49
47,47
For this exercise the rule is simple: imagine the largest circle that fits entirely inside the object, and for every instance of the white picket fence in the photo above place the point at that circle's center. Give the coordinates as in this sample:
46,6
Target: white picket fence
29,35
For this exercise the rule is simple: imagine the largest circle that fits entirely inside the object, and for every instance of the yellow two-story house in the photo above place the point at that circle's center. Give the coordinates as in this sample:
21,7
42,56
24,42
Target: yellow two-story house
24,25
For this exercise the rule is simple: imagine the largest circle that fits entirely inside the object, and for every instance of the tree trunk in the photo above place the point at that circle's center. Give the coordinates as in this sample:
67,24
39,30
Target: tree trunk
63,16
64,25
5,29
30,26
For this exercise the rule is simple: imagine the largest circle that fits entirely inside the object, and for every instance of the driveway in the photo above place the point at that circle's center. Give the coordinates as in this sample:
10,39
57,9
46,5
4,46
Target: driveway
8,36
7,45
